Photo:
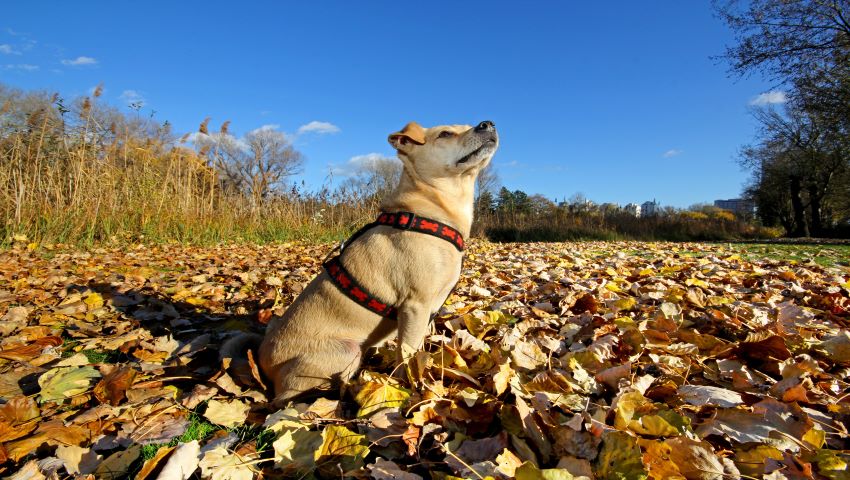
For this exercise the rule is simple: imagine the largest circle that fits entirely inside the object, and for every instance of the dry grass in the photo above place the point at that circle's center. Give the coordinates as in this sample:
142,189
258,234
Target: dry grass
88,174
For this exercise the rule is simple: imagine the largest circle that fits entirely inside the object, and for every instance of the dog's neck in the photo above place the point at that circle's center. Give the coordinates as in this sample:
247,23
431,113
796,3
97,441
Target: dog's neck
449,200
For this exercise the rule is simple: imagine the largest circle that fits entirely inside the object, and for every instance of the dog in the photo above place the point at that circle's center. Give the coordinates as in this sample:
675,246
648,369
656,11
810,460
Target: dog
319,341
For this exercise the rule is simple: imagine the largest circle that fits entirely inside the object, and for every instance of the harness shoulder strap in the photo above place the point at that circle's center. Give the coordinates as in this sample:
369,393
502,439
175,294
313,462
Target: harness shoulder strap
400,220
352,288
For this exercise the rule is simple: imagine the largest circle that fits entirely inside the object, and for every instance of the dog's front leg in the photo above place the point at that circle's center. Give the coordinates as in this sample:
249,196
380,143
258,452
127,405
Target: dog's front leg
412,327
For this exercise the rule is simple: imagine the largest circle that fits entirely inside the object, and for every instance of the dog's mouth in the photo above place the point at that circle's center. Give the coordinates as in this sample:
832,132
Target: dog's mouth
487,145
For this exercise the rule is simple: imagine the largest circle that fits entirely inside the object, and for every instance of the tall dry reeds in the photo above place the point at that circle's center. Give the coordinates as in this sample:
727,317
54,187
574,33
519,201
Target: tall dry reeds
85,173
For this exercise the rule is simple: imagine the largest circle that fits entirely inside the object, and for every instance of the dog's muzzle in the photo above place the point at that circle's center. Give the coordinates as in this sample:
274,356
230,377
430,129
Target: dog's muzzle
486,139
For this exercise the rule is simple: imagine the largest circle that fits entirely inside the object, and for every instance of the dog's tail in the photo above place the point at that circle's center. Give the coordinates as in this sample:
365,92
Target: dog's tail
237,346
238,353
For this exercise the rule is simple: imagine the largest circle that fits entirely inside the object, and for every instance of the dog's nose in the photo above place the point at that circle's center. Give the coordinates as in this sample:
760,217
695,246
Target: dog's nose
485,126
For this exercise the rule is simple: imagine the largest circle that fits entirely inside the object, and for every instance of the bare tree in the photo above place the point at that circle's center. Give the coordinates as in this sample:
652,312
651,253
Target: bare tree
373,177
258,164
488,181
786,39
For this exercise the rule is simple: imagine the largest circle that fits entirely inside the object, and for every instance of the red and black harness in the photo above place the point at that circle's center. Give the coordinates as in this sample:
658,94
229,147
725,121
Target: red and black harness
402,221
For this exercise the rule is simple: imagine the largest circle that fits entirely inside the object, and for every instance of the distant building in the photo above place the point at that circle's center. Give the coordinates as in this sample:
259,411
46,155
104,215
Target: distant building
648,209
738,206
632,209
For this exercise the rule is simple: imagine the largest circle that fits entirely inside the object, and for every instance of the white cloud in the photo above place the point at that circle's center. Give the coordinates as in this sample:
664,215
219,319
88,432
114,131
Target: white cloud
358,163
132,97
26,67
318,127
672,153
769,98
80,61
270,126
7,49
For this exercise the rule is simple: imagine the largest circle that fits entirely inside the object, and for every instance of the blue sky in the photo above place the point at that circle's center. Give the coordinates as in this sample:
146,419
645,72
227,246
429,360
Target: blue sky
616,100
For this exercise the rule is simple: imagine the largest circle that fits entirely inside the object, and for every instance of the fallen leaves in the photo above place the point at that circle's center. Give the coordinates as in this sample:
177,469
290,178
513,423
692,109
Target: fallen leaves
227,413
549,361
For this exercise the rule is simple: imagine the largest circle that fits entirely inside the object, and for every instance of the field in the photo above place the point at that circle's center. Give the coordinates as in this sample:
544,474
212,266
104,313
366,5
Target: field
602,360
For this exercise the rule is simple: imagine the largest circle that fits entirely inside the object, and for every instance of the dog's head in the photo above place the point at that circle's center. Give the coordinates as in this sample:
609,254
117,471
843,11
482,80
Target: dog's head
446,150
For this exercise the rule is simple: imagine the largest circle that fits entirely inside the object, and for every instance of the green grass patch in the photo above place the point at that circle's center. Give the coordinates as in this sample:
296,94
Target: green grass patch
199,429
820,254
96,356
263,437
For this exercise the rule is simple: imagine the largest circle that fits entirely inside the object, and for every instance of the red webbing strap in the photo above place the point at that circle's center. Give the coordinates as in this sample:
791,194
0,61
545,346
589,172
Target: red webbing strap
353,290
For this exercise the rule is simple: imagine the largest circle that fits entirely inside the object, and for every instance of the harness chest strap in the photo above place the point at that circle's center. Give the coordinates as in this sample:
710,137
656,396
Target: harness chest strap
403,221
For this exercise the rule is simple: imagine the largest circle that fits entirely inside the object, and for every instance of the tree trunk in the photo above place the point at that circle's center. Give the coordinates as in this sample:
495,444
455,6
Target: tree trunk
801,227
815,214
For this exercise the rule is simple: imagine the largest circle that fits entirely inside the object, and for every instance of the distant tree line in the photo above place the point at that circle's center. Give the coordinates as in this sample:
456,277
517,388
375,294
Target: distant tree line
800,162
513,215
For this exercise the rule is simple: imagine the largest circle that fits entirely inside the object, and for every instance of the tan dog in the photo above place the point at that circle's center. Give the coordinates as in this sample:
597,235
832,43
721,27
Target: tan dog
320,340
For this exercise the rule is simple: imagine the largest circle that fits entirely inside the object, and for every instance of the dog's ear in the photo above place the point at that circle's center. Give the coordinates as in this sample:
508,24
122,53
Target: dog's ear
412,133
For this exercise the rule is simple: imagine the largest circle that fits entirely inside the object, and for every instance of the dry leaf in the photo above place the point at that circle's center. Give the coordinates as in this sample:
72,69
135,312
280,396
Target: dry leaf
227,413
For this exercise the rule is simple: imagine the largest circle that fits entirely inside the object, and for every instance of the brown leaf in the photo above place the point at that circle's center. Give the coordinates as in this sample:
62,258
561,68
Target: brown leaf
54,432
112,388
585,303
410,438
23,353
264,315
771,348
18,410
116,465
255,372
532,429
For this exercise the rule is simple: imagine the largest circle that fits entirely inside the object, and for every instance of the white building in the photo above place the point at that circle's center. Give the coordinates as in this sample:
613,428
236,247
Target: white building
649,209
632,209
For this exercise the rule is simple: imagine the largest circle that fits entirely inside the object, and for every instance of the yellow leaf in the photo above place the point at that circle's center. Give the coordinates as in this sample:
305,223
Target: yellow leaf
297,449
751,461
620,458
376,395
696,281
626,303
528,471
342,446
656,457
94,301
197,301
815,437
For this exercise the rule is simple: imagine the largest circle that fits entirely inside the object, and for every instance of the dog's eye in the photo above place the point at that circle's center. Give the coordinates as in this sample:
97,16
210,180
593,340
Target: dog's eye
445,134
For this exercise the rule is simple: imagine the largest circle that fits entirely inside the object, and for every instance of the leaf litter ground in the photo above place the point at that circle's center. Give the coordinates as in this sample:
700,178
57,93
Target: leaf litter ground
550,361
